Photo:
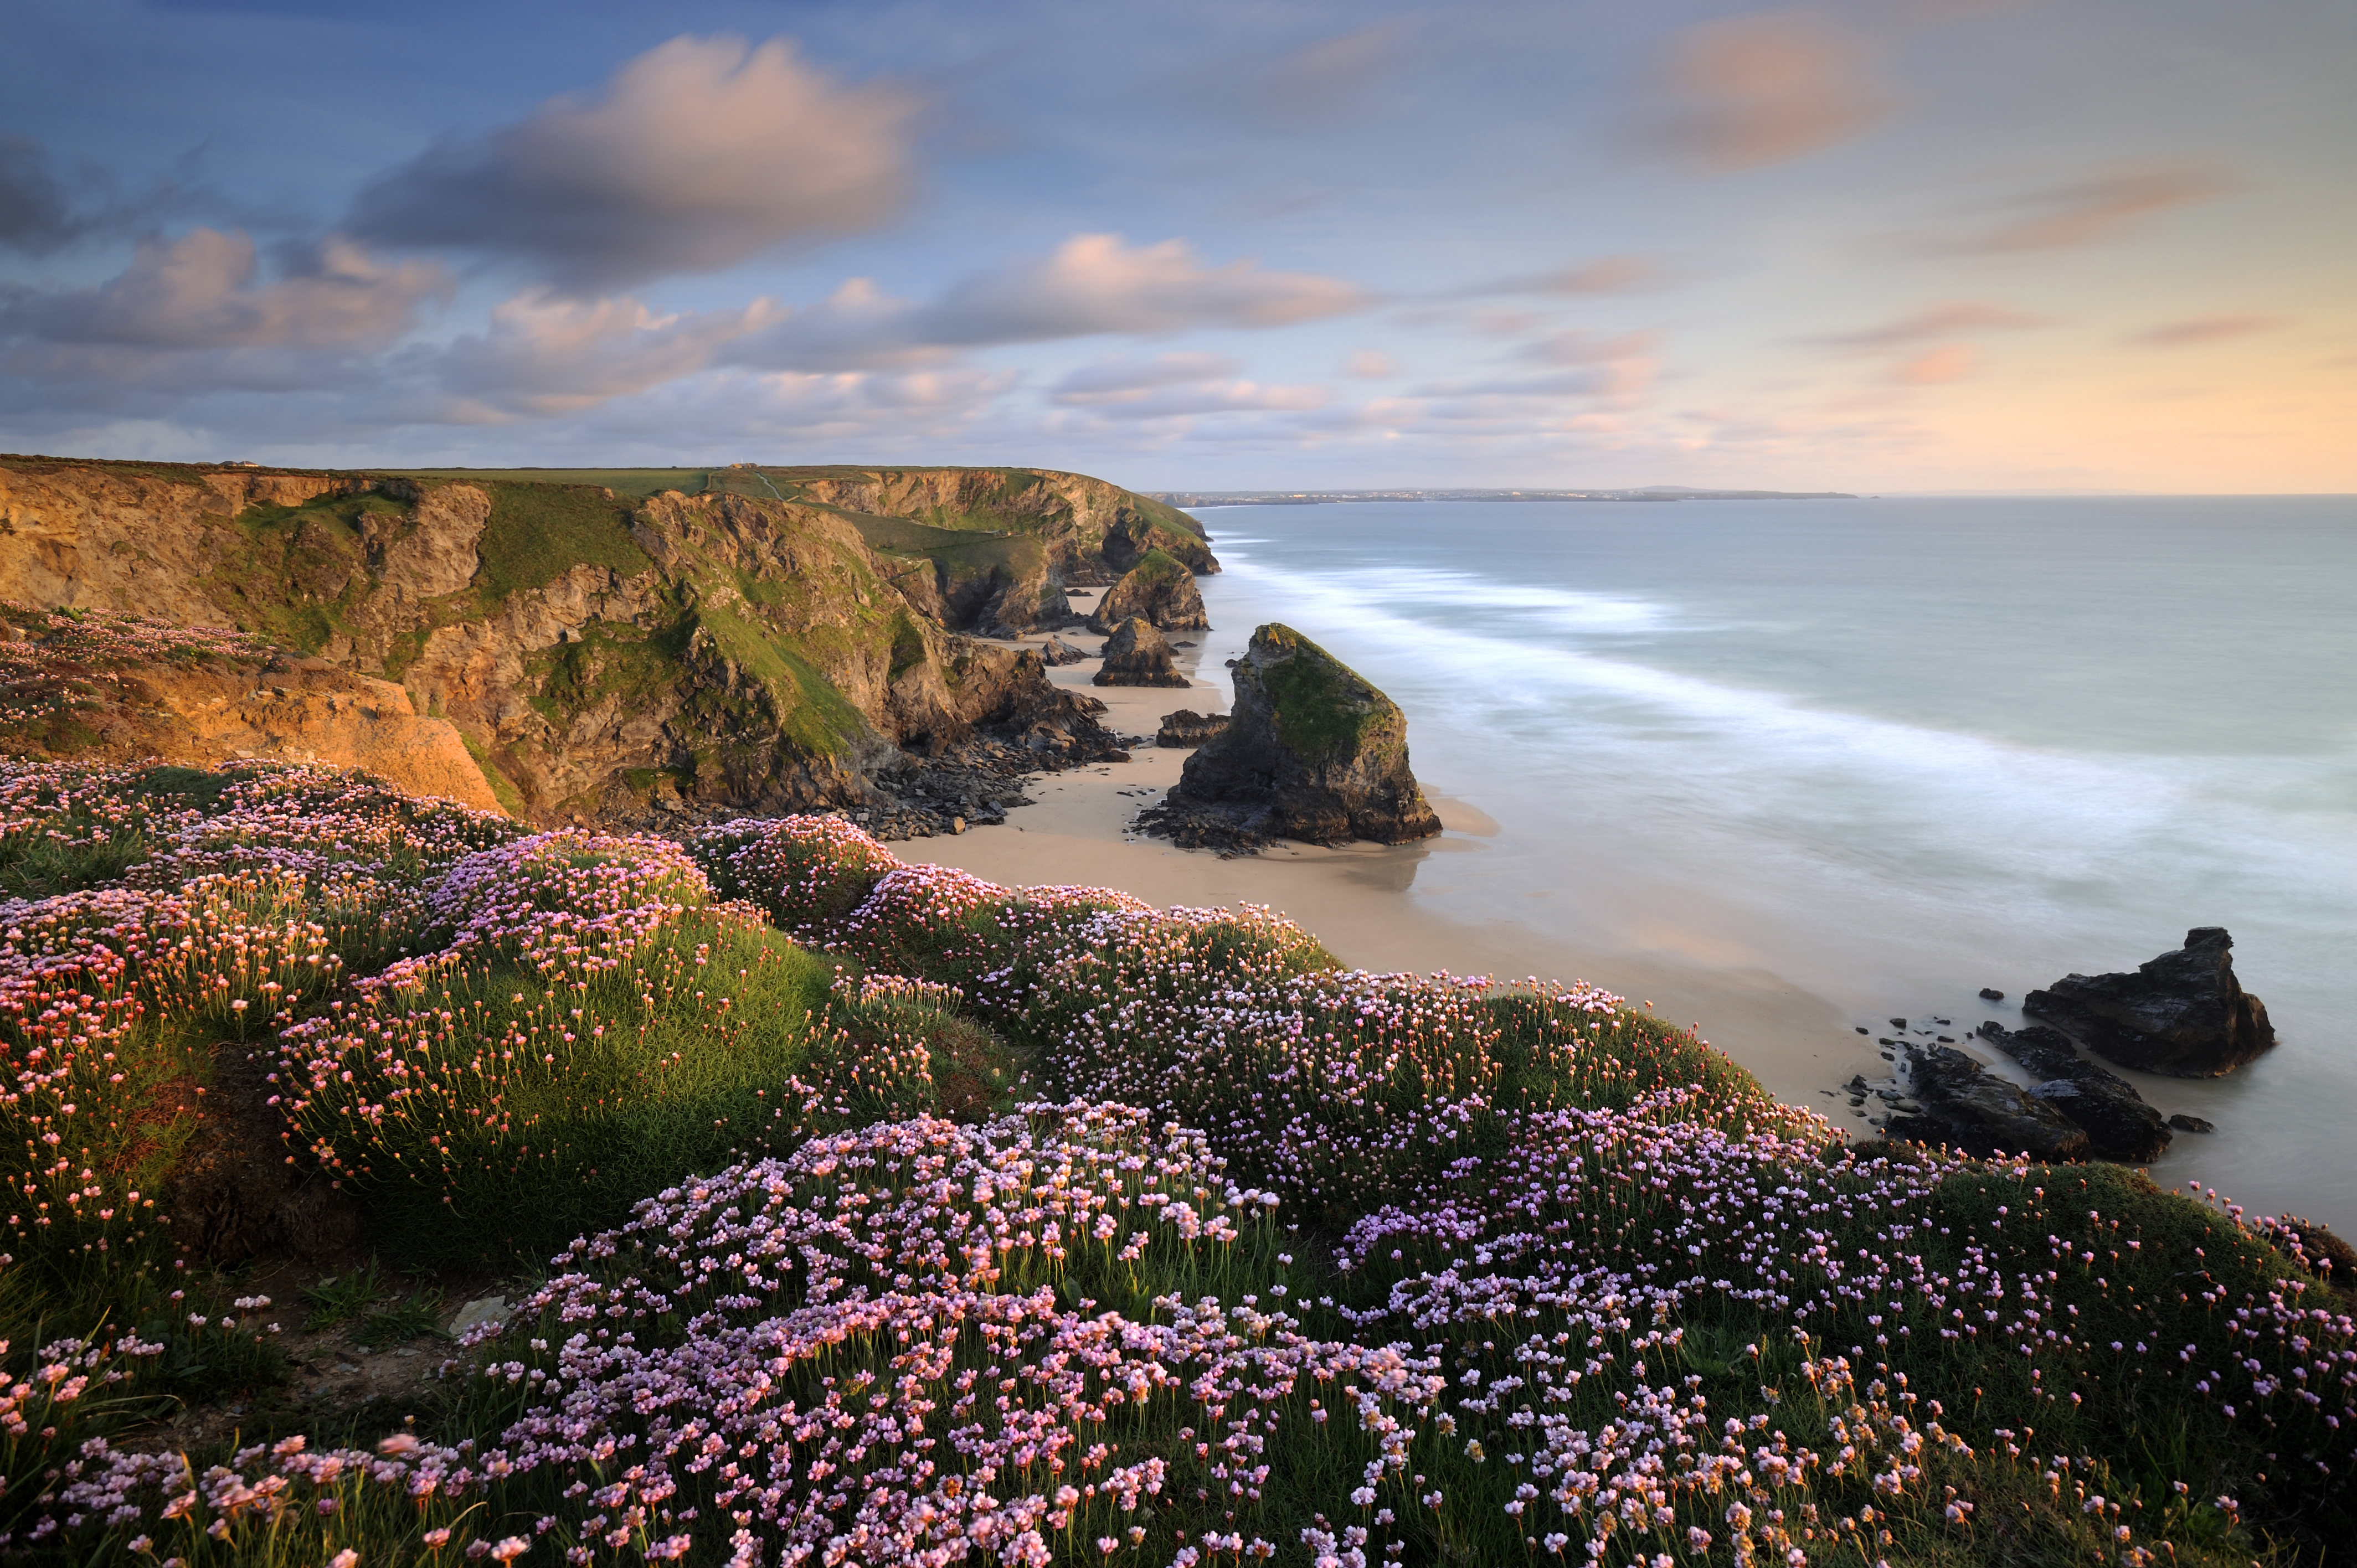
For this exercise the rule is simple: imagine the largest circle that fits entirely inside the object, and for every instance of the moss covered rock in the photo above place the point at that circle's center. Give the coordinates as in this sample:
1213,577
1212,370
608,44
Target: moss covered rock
1311,752
1159,590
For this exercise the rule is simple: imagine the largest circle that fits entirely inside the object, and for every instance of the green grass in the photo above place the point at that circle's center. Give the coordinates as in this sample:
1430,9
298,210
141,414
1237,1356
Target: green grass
538,532
1318,712
639,482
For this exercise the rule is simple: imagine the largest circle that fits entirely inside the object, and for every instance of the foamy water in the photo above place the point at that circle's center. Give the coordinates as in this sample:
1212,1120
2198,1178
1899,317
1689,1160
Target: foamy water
1892,751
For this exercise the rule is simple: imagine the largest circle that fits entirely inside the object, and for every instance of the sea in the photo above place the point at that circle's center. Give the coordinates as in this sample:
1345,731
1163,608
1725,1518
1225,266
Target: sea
1891,750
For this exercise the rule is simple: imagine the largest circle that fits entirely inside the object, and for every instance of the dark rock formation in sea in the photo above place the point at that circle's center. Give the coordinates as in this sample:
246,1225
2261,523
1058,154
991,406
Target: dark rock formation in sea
2185,1123
1057,652
1991,993
2118,1123
1160,590
1966,1107
1311,752
2182,1013
1186,727
1136,655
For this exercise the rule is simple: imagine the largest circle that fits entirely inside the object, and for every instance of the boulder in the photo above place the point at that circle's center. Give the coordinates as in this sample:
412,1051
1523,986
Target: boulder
1160,589
1311,751
2185,1123
2182,1013
2119,1125
1186,727
1968,1107
1136,655
1059,651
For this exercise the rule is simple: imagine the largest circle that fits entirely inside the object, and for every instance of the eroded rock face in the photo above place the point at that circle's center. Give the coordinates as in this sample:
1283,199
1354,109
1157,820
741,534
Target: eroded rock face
1311,751
2119,1123
2182,1013
1966,1107
1136,655
202,711
1186,727
1158,590
1057,652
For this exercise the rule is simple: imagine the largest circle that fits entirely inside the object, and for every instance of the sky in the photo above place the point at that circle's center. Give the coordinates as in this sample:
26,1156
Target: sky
1887,246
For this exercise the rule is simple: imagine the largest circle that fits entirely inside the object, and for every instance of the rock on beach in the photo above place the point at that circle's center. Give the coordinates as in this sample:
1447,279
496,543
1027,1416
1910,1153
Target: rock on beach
2182,1013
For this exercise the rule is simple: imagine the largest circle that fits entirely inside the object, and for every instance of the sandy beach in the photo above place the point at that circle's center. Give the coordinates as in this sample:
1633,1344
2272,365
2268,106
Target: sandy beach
1359,900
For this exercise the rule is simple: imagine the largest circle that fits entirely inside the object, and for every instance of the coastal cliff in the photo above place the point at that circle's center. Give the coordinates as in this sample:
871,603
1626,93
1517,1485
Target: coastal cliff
732,637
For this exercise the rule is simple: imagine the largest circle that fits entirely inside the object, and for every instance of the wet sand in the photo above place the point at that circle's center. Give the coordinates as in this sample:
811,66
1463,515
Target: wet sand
1359,900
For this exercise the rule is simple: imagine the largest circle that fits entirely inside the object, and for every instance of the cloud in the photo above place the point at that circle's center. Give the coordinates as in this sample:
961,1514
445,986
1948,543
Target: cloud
1943,362
1943,320
1331,80
1370,365
1605,274
43,211
1174,386
700,154
2204,329
1575,347
1094,283
204,291
544,354
1752,91
2089,211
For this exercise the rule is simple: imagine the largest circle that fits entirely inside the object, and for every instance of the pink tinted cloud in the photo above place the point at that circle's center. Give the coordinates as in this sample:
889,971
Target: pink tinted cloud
1763,89
1604,275
205,290
2204,329
1942,320
2101,206
1936,365
700,154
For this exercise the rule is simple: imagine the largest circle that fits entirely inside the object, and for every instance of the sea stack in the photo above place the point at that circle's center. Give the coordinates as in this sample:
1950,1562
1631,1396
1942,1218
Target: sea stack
2182,1013
1136,655
1311,752
1160,590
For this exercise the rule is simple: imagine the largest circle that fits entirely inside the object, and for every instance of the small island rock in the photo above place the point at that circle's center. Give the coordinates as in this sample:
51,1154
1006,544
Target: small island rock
1311,752
1186,727
1136,655
2182,1013
1057,651
1160,589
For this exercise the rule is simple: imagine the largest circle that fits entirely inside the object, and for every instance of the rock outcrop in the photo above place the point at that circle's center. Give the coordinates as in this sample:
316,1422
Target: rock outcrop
2182,1013
1311,751
1136,655
602,652
1187,728
99,687
2118,1123
1159,590
1057,652
1968,1107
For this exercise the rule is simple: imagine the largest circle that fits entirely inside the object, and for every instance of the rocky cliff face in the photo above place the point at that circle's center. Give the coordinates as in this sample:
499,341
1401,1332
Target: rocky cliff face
1311,752
94,686
1136,655
596,650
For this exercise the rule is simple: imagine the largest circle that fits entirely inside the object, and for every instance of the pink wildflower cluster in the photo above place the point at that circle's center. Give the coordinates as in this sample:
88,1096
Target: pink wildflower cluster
1012,1411
808,872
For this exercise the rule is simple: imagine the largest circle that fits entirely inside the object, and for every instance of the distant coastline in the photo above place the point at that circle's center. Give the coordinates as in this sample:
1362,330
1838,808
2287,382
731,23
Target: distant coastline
1329,498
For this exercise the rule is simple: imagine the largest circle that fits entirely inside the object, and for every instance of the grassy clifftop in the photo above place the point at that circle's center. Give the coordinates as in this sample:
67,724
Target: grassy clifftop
807,1197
